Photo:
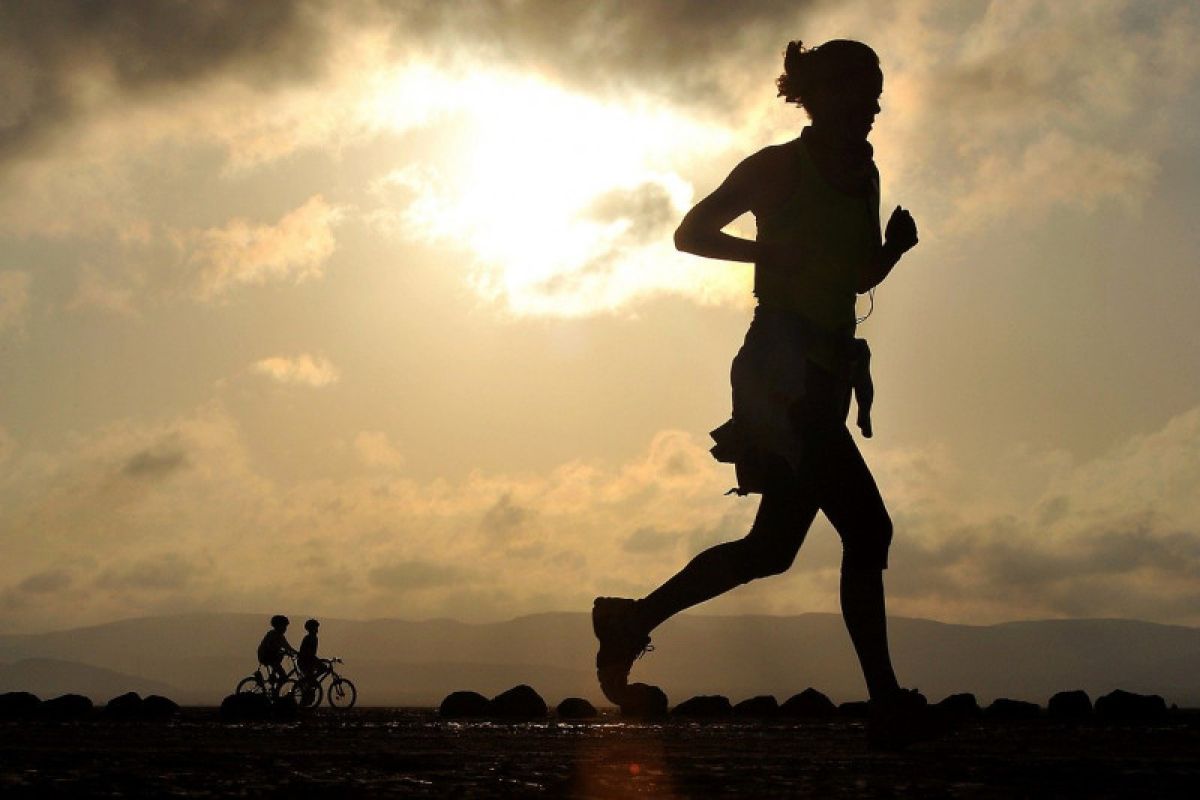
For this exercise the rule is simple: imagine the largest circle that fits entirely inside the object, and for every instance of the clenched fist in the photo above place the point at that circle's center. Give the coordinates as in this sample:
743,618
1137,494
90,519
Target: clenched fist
901,232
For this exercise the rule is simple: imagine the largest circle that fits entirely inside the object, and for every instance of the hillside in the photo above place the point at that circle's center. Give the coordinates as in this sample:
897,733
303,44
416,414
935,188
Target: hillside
397,662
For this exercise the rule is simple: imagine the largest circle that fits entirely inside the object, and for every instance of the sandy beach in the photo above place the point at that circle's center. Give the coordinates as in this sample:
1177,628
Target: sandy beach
411,752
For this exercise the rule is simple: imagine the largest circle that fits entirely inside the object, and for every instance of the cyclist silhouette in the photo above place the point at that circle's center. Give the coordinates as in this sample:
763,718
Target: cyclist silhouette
816,203
274,646
312,667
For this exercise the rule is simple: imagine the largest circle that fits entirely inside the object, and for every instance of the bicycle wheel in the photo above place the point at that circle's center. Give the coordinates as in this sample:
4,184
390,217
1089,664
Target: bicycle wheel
251,684
342,694
307,694
288,688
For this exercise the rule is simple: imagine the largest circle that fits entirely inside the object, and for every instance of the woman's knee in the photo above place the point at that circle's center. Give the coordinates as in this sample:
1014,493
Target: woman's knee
762,560
868,547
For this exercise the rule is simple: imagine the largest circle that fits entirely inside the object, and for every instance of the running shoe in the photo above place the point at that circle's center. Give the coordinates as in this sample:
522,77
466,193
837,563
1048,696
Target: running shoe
902,719
622,642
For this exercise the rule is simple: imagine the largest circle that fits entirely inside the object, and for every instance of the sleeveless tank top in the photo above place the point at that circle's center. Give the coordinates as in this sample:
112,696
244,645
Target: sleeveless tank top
840,236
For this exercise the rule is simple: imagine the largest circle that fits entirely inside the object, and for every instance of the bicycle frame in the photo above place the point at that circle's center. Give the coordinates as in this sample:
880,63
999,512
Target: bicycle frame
329,674
263,674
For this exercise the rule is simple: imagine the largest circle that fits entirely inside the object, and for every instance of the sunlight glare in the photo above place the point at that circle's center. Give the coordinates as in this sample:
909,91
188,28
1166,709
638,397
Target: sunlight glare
564,203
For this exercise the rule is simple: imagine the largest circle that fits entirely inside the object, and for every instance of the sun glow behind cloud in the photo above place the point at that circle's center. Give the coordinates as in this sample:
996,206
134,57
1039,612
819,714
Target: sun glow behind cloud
250,200
547,192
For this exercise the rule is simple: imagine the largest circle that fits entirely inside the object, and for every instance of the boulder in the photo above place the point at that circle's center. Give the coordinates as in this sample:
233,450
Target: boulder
18,705
459,705
959,706
155,706
284,709
643,700
1003,709
575,708
519,702
764,705
1123,706
854,709
66,707
1074,706
126,706
705,706
808,704
246,708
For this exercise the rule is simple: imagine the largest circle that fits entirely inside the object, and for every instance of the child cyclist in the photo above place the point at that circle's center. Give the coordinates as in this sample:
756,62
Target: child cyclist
312,667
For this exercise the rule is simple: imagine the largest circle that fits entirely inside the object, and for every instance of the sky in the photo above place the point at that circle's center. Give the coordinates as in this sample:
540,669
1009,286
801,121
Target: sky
370,309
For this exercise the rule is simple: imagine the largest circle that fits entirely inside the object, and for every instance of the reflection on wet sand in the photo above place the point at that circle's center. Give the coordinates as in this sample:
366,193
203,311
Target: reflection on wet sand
398,752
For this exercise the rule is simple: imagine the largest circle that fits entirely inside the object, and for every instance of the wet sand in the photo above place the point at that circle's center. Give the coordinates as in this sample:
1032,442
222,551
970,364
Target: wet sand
412,753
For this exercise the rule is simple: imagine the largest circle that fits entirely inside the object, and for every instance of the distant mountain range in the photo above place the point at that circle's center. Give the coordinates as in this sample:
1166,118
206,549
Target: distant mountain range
50,677
198,658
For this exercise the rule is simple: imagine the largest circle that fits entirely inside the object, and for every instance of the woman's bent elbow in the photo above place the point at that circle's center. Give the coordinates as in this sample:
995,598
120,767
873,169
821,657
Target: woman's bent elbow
683,242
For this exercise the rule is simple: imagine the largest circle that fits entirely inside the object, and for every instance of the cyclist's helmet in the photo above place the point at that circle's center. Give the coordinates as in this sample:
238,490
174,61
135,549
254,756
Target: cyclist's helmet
311,625
279,620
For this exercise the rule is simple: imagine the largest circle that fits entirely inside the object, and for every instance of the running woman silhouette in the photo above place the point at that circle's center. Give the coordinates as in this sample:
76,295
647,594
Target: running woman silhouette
816,203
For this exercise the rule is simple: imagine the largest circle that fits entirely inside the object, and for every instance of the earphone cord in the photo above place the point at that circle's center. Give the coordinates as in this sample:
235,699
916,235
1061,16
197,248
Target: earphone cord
870,294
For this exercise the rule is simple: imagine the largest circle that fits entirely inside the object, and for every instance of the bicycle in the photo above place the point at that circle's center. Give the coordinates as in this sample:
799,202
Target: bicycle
260,681
308,692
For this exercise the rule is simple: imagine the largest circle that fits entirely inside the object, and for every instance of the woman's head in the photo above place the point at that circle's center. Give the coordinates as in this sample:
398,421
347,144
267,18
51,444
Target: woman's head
837,83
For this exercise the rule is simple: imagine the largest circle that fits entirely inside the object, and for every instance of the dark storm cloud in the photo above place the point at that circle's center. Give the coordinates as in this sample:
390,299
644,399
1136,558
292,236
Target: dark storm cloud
63,60
675,47
58,56
156,462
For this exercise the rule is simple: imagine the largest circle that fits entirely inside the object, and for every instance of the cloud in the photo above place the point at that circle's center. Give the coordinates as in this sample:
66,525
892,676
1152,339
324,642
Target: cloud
296,249
167,572
156,462
63,61
1118,535
503,519
1054,171
1003,113
986,109
417,574
1124,540
14,300
145,264
301,370
647,211
47,582
996,116
229,537
376,450
650,540
326,76
680,49
601,223
65,64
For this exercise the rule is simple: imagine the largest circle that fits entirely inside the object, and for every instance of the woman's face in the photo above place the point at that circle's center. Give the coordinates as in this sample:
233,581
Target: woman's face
849,107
